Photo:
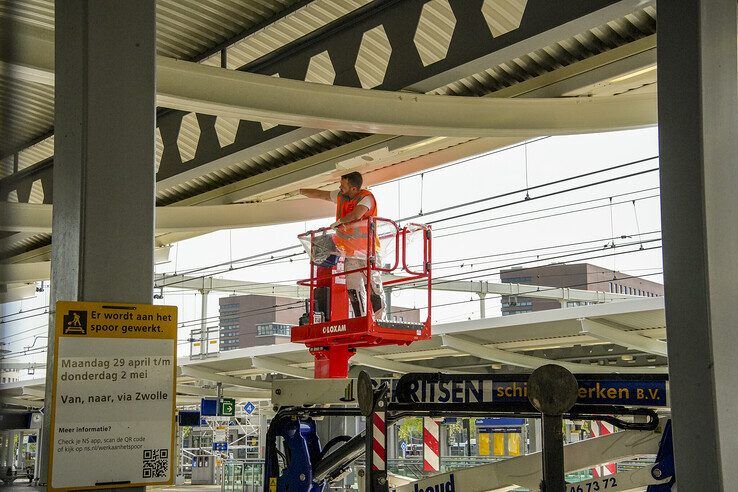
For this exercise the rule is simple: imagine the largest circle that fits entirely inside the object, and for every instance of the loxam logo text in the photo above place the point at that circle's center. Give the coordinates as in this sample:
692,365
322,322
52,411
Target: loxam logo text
448,486
334,329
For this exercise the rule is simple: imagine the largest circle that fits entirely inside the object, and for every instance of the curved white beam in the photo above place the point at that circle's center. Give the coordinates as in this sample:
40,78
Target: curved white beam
208,375
623,338
190,390
364,359
25,272
36,218
200,88
271,365
237,215
514,359
195,87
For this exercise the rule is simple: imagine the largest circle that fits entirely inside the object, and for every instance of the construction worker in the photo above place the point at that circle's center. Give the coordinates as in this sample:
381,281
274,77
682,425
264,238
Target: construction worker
354,203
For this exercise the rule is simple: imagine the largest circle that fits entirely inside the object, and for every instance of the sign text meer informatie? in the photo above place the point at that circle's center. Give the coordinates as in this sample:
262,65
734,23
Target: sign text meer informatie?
113,396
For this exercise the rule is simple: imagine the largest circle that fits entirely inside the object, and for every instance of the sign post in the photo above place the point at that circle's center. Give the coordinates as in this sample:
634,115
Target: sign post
113,395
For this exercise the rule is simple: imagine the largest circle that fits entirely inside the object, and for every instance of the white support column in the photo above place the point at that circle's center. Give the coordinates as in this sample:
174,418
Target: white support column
698,145
204,337
9,438
482,305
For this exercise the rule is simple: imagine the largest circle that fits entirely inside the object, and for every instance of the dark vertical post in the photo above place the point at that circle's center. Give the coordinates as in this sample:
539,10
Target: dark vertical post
698,145
553,453
105,96
552,389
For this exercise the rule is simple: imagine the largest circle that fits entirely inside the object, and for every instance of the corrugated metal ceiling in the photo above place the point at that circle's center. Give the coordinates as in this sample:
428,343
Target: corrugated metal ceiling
185,29
592,42
189,27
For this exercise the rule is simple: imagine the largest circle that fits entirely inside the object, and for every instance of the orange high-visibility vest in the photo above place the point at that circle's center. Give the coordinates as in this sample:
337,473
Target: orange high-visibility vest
352,238
346,205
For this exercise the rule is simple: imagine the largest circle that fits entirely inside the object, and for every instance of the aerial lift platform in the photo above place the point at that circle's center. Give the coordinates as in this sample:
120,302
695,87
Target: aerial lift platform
337,319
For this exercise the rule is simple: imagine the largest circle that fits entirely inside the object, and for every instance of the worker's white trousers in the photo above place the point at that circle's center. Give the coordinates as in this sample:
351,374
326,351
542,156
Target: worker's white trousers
357,281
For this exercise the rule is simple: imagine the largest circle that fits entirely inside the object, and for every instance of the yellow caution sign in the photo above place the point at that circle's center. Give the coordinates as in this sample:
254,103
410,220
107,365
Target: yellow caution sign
113,395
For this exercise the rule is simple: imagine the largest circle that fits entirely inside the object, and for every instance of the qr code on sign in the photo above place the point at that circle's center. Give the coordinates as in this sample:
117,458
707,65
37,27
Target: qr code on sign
155,463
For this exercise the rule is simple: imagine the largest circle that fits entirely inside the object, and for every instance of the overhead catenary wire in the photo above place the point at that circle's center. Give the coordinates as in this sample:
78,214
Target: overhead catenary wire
549,208
274,260
289,257
180,342
542,258
547,195
559,214
542,185
569,286
467,276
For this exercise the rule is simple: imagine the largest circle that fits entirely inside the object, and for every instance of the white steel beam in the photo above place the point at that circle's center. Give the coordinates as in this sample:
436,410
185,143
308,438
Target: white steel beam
623,338
16,292
524,290
36,218
226,285
30,55
33,272
25,272
21,402
187,389
269,364
207,375
217,91
364,359
525,471
34,392
503,356
291,392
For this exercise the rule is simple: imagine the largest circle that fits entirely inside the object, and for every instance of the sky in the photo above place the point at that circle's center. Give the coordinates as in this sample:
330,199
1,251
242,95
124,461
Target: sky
509,232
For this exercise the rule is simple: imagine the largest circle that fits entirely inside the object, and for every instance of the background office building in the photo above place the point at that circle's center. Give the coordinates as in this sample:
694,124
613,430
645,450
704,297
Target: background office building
577,276
251,320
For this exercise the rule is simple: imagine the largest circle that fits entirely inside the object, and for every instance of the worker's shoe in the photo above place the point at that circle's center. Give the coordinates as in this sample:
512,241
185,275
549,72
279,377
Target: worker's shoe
356,304
377,306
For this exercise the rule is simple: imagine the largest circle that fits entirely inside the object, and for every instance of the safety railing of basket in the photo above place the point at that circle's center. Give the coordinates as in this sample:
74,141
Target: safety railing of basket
372,224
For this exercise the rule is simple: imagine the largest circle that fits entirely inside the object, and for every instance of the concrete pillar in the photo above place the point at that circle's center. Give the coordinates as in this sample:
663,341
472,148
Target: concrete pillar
698,145
103,219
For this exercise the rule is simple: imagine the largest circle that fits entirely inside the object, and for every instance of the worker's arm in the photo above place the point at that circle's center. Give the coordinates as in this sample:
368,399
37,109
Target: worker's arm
355,214
319,194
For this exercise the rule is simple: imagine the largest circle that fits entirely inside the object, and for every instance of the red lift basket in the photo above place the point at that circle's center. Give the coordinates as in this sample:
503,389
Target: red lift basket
327,328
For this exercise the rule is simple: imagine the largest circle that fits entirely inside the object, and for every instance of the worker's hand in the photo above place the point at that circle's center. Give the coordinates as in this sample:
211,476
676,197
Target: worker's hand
335,224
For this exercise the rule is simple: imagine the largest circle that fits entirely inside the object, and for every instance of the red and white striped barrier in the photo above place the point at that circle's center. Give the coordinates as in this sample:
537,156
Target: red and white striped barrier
600,428
431,445
379,431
